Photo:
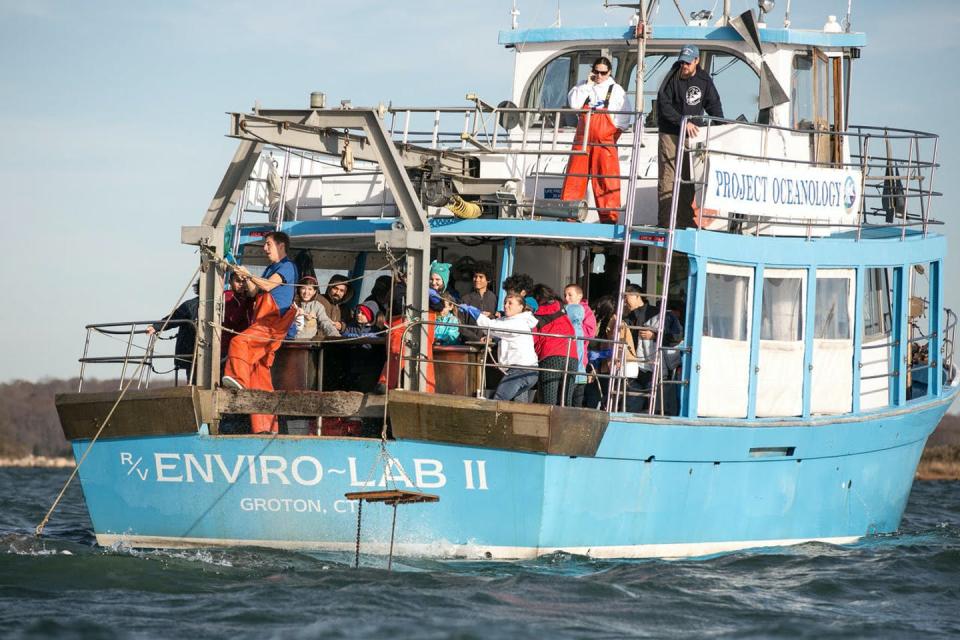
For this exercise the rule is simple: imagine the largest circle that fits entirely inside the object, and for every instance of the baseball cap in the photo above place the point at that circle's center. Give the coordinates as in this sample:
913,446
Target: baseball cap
689,53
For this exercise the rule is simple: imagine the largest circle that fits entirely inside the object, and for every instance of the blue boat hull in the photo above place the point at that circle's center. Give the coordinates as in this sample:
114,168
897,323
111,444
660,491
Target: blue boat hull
654,489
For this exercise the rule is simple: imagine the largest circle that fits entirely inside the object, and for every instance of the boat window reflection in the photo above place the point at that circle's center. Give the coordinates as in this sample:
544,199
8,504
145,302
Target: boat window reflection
801,91
737,83
832,315
781,317
727,304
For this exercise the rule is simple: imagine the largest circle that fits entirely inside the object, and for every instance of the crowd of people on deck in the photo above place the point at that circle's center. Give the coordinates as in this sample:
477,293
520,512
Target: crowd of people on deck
552,346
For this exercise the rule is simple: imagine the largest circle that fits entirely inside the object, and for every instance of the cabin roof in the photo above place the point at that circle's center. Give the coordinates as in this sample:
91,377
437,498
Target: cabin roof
684,33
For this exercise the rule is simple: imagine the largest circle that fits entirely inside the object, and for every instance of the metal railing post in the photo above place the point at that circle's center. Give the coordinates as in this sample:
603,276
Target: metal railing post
83,359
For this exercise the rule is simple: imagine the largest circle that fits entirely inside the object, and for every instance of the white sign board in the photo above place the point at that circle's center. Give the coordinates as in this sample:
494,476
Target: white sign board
781,190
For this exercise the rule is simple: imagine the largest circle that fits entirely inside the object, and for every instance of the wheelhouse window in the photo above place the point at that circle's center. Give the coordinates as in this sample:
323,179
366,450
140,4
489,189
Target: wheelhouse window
736,81
801,91
553,82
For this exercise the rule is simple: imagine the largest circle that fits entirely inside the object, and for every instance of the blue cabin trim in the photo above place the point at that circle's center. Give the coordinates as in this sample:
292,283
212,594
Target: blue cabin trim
860,280
936,329
901,300
809,331
684,33
755,318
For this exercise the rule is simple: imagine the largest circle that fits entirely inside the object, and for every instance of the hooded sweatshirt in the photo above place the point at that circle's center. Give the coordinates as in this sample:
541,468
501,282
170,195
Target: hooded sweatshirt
515,348
553,320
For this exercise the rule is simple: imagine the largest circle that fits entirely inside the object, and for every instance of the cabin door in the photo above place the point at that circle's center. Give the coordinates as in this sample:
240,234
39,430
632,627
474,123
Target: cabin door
780,362
832,375
724,363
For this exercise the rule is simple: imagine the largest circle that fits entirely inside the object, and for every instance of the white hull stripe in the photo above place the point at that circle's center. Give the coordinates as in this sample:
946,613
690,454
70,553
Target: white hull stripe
447,550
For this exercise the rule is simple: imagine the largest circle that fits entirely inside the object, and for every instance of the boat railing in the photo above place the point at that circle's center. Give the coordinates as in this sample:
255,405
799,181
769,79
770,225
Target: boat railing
523,151
126,333
615,393
948,344
895,168
513,162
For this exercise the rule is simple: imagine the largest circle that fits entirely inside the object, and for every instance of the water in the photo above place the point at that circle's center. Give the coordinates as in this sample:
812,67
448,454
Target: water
63,586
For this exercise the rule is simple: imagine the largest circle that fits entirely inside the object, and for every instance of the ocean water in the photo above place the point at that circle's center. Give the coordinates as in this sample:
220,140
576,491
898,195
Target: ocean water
63,586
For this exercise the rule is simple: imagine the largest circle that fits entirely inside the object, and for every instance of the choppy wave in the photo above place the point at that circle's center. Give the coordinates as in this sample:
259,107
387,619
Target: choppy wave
62,585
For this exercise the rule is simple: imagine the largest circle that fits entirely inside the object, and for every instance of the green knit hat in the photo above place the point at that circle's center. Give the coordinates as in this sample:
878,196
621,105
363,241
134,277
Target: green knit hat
442,269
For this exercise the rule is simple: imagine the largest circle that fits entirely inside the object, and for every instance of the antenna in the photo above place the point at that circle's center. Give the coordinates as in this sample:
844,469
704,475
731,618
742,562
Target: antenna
786,17
514,16
559,23
846,21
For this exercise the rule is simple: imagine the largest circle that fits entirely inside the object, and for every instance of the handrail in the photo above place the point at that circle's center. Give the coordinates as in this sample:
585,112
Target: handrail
878,173
948,343
131,330
616,388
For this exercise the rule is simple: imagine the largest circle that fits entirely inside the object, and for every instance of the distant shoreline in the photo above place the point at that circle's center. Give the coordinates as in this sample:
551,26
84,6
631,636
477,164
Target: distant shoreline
37,461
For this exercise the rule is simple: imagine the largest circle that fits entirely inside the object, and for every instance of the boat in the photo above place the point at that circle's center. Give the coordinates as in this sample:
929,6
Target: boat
816,358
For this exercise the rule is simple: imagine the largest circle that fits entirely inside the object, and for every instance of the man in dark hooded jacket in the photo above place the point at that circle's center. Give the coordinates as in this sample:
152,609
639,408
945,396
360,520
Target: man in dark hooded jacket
687,91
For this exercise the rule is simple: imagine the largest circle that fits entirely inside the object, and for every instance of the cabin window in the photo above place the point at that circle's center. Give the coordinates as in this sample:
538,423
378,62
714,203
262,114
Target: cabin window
831,378
919,344
876,304
737,83
723,366
833,316
553,82
726,314
779,372
781,316
658,65
801,91
876,354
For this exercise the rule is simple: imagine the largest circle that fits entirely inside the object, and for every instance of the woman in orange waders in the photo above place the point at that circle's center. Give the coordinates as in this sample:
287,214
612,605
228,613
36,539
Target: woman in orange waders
600,93
252,351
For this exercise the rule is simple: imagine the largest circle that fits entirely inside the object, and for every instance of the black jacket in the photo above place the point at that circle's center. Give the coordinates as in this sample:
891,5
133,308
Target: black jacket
691,97
183,319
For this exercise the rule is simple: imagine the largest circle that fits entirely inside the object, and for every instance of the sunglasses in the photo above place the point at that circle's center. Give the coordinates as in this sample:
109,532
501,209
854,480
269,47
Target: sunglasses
601,73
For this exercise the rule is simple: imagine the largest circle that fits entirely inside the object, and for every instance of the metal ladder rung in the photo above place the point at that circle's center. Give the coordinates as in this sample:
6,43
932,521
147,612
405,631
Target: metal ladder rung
639,261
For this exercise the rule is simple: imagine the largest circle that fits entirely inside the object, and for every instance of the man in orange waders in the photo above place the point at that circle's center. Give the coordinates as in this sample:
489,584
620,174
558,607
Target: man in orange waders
600,93
251,353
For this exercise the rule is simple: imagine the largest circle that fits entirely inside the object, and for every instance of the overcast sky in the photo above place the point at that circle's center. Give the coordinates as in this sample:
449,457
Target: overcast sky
115,122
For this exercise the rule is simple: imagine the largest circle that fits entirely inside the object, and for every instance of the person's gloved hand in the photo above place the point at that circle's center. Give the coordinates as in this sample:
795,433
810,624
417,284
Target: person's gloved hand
470,310
602,354
434,296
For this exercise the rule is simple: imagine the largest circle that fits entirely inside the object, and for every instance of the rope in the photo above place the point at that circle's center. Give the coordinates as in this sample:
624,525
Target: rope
43,523
226,265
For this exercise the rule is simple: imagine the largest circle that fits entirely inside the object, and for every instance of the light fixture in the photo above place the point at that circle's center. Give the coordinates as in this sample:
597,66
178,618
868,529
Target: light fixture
700,18
765,6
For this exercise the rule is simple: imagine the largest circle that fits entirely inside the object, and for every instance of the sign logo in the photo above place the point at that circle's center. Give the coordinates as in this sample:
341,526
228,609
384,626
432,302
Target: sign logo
694,95
849,193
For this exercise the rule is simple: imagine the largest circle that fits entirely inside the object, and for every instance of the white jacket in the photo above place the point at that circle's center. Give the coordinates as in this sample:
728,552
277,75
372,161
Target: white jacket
597,93
515,348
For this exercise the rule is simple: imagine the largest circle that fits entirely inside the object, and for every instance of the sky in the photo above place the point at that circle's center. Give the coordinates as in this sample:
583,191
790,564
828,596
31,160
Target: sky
116,129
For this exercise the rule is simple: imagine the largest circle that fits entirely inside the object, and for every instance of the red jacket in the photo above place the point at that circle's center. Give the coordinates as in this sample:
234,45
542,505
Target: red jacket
547,346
